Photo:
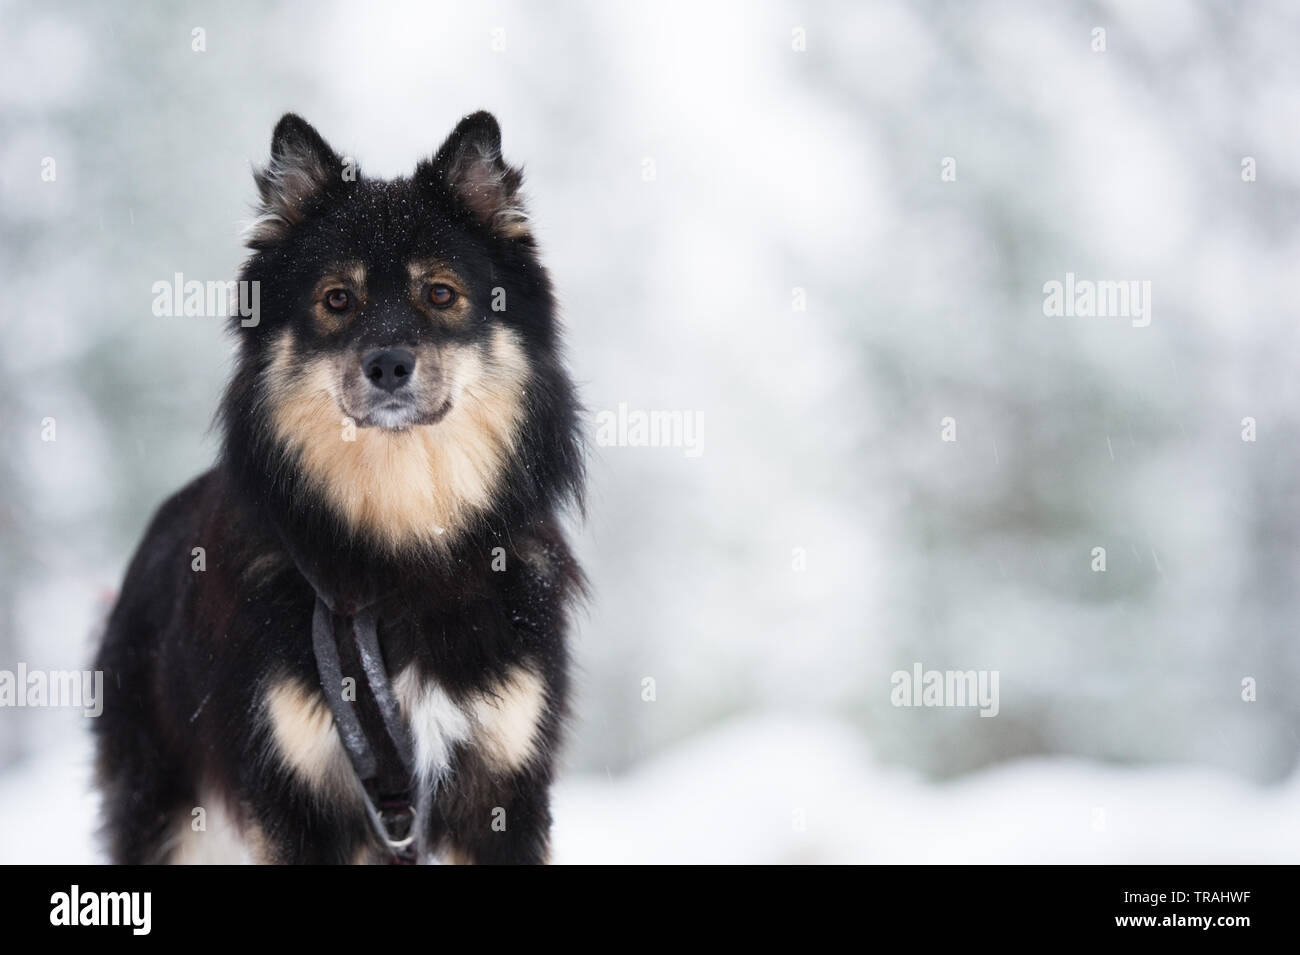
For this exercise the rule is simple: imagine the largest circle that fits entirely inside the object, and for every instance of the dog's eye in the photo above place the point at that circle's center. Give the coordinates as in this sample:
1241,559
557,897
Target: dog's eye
338,300
442,295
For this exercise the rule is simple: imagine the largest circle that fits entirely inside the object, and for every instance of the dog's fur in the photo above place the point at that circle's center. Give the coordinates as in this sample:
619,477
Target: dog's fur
441,499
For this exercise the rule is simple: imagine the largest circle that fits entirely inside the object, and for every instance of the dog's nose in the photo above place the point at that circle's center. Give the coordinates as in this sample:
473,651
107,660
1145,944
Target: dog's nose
388,368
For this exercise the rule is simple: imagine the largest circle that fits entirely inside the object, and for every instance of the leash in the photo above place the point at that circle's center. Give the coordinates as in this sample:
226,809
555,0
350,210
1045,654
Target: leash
377,739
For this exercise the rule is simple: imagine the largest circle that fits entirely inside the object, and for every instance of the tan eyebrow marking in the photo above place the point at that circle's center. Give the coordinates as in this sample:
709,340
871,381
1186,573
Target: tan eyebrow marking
350,273
425,270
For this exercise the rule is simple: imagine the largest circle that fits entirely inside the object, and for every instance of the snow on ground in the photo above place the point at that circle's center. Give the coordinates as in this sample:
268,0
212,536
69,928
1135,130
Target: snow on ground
739,794
791,790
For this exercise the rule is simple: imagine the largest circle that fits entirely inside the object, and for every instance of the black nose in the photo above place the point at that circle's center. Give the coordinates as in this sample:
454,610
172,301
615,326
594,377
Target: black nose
388,368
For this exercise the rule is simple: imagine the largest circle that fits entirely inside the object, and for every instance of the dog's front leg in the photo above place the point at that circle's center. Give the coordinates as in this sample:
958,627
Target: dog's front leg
299,828
504,821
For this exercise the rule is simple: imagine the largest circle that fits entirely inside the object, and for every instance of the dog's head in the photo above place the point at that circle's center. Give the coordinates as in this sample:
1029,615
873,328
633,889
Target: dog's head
404,364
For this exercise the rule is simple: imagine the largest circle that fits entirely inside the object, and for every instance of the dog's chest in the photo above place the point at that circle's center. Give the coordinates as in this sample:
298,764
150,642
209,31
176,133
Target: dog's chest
439,723
501,722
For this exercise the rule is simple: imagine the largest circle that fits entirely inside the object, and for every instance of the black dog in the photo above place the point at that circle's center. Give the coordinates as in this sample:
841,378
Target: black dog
346,642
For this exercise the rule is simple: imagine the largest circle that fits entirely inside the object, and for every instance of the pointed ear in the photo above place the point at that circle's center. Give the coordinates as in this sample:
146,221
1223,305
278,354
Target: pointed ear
469,166
303,171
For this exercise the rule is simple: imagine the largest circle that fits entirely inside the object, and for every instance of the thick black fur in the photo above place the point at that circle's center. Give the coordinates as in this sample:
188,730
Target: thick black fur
189,655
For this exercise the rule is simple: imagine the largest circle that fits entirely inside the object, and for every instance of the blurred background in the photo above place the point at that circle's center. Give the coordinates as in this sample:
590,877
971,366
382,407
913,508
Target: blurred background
745,209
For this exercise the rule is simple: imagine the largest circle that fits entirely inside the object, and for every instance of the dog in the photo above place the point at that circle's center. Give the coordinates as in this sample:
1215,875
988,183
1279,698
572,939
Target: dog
400,447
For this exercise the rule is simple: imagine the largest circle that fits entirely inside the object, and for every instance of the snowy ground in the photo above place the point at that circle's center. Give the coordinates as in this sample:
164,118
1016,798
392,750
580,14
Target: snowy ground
794,791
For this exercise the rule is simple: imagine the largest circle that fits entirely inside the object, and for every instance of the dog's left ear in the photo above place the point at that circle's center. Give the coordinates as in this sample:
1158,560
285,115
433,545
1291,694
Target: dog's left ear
469,166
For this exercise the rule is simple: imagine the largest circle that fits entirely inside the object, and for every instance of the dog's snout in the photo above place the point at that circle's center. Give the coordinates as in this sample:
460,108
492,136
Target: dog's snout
388,368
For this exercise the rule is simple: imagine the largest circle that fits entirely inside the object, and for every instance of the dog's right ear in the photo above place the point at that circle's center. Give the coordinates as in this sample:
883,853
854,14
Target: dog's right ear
302,174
